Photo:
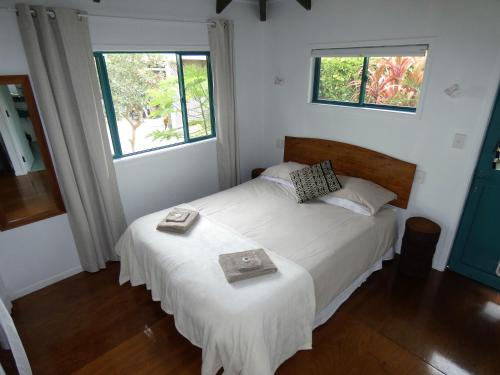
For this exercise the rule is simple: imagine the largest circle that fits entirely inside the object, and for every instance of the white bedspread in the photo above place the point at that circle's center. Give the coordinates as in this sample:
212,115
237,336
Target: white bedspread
333,244
252,326
249,327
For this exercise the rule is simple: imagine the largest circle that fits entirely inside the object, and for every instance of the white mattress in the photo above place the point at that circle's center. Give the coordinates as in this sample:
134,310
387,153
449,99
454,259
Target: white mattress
333,244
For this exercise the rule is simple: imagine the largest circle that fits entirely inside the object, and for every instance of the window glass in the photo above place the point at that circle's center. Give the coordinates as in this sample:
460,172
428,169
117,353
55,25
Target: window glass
340,78
196,86
144,90
395,80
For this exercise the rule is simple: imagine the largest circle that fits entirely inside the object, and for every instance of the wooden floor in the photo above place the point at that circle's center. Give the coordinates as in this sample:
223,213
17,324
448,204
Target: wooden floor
87,324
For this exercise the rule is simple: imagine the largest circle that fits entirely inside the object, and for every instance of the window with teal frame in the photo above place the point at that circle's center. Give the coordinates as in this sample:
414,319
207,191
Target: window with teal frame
154,100
389,77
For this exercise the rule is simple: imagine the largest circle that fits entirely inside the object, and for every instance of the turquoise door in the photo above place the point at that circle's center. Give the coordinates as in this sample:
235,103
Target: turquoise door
476,251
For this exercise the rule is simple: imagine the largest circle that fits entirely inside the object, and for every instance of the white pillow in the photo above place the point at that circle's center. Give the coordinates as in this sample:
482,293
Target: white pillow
286,183
361,192
283,170
345,203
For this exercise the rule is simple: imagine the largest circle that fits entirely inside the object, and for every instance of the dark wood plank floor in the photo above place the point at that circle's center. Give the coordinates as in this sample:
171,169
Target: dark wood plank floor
87,324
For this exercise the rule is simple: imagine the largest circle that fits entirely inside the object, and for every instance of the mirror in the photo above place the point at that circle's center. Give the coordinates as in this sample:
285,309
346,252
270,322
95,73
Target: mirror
28,186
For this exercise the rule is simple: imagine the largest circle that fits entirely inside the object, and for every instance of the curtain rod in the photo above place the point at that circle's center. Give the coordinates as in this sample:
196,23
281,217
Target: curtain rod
52,14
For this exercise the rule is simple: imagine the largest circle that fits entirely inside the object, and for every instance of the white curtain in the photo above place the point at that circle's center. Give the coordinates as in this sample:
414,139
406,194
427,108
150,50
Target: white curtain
65,82
9,338
220,38
14,342
5,299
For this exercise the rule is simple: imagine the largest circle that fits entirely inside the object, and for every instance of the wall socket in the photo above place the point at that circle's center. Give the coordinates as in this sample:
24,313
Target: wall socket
280,143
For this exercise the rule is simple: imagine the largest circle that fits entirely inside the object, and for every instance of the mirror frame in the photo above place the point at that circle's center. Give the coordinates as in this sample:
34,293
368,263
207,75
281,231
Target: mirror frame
24,81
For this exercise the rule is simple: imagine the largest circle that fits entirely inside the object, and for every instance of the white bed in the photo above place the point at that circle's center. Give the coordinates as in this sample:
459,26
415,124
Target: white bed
323,253
333,244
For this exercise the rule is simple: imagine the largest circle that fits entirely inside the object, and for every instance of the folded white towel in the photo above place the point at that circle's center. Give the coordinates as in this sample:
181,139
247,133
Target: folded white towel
233,263
249,262
177,215
172,223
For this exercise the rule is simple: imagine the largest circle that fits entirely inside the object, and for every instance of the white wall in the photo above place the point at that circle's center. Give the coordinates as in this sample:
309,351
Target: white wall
40,253
36,255
464,48
150,182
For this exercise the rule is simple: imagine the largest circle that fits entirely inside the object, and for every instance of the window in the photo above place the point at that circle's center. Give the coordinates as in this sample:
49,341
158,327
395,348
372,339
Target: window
374,77
156,100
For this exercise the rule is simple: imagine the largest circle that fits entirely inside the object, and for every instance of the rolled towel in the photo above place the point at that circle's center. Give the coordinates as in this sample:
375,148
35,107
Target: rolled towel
238,266
173,221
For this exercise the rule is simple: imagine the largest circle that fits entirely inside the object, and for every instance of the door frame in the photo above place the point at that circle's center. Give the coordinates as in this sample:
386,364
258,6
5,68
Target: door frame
475,190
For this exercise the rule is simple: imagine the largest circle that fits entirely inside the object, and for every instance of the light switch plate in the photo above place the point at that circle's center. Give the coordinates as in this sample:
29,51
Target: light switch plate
459,141
280,143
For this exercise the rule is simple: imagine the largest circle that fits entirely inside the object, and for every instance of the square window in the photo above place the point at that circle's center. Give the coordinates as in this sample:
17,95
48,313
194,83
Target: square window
155,100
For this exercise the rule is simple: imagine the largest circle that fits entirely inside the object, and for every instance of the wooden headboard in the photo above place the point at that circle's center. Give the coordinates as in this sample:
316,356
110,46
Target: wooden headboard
349,160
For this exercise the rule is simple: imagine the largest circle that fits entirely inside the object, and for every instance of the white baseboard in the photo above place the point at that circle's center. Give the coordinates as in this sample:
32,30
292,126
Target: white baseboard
43,283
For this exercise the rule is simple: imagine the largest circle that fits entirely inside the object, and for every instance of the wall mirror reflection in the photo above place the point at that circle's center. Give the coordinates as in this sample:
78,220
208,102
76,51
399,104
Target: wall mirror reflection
28,187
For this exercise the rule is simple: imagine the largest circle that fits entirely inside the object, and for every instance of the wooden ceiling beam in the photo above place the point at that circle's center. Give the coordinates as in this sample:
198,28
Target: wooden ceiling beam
221,5
305,3
263,10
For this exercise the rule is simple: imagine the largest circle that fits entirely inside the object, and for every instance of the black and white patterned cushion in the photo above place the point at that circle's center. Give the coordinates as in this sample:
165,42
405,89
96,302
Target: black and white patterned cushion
314,181
330,176
309,183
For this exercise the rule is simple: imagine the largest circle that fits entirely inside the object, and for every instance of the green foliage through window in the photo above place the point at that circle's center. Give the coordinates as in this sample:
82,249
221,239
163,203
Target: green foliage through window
340,78
392,82
156,100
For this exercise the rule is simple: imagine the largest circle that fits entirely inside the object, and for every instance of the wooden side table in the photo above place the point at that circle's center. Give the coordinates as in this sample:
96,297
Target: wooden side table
257,172
419,243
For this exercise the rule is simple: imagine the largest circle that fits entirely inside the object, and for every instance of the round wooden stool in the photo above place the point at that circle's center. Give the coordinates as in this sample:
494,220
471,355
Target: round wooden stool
419,243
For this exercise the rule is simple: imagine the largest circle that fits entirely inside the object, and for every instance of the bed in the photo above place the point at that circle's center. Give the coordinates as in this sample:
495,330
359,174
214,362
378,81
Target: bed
323,254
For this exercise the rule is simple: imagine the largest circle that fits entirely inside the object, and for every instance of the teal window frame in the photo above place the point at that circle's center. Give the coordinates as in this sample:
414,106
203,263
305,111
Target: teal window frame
110,109
362,93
